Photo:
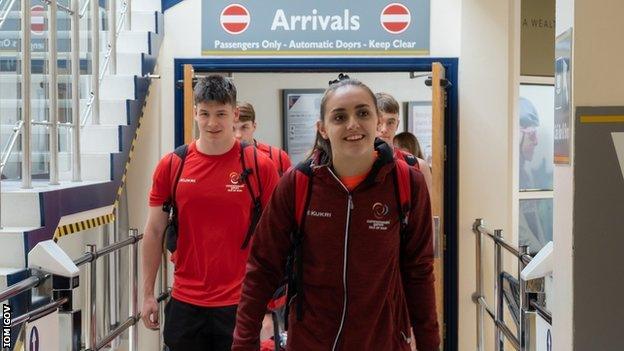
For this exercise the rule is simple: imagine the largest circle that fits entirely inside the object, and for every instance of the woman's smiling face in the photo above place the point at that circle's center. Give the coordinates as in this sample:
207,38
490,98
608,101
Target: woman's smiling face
350,122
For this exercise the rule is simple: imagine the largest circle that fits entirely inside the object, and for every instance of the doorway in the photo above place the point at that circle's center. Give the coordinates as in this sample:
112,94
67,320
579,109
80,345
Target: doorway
440,73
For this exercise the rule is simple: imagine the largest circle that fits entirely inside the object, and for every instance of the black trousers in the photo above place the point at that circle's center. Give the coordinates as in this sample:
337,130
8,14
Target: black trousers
189,327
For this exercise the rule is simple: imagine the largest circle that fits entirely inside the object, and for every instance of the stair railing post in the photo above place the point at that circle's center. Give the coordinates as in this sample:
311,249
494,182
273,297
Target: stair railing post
127,24
523,306
91,294
75,72
53,93
498,290
133,293
112,36
26,152
95,61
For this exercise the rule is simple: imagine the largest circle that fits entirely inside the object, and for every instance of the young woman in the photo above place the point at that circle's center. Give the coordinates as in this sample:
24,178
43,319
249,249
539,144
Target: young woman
408,142
360,286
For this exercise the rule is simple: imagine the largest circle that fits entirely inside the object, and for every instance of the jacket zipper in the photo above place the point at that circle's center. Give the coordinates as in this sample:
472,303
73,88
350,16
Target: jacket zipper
344,264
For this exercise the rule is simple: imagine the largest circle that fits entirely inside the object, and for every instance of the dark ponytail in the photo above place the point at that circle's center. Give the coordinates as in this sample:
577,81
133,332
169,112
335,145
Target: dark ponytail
322,153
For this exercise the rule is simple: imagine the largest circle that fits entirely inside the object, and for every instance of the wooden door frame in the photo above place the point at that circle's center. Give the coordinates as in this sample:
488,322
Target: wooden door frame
368,64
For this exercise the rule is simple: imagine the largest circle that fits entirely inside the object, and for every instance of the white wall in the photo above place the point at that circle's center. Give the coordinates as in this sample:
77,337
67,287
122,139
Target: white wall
485,146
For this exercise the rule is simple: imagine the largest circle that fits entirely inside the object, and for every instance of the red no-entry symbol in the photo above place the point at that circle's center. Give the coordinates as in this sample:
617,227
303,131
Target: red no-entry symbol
235,19
395,18
37,19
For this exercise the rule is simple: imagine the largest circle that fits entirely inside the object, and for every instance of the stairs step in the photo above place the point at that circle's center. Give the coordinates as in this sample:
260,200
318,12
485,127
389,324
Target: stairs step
133,42
130,63
118,87
20,207
13,237
99,139
143,21
94,166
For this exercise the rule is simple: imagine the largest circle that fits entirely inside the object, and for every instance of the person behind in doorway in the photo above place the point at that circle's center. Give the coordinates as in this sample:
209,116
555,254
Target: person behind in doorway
360,285
244,131
214,215
388,125
406,141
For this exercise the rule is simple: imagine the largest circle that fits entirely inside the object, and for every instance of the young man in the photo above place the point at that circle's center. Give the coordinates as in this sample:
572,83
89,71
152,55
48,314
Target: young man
388,125
244,130
214,206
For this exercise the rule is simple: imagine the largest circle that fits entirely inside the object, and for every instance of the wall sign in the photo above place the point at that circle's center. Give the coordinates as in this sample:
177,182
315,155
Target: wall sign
324,27
537,38
43,334
563,97
300,111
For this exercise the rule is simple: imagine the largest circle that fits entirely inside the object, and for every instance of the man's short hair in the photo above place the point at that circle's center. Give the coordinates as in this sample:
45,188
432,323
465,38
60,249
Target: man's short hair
215,88
387,104
246,113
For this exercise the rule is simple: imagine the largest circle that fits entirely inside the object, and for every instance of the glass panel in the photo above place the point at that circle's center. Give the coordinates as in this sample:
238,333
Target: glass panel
536,137
10,94
535,223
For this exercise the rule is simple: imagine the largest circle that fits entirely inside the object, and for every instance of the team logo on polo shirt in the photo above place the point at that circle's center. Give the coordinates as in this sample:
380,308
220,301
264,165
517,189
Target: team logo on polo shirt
234,178
380,212
235,186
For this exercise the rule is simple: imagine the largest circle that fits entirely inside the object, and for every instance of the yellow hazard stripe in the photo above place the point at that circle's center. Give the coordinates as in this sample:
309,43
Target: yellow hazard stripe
602,119
124,177
76,227
71,228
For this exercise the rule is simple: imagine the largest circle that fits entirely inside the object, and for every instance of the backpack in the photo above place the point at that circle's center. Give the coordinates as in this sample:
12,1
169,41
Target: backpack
410,159
293,281
249,163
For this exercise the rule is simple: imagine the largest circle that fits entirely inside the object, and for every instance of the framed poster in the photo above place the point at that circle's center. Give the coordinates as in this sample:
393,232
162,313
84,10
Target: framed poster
535,225
300,111
536,117
419,122
563,97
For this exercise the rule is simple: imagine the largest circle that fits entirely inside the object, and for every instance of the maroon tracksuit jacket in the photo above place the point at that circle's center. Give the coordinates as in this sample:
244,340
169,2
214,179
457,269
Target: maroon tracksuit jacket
356,293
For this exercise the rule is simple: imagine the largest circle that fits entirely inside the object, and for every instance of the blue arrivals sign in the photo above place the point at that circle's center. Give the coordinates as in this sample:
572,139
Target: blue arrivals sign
323,27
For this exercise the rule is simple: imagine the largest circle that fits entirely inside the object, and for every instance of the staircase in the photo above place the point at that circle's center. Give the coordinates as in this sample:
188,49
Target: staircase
29,216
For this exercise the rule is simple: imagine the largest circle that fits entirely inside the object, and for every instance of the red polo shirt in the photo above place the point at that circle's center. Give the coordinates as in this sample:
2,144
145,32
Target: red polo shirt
214,208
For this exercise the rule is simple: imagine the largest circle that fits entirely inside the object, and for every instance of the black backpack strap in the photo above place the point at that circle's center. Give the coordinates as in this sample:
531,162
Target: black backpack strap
170,204
281,163
402,190
294,263
256,205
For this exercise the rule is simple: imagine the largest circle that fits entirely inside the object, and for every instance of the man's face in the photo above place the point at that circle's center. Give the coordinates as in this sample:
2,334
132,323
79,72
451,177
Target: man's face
216,120
528,142
388,124
244,131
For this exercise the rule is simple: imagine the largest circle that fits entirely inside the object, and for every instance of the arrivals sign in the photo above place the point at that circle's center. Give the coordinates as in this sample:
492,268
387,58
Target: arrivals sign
324,27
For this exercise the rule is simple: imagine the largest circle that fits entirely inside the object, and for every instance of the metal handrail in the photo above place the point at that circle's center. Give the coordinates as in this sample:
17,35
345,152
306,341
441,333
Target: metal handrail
6,153
519,340
107,57
62,7
36,280
542,311
131,321
526,258
84,8
39,312
6,13
21,286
